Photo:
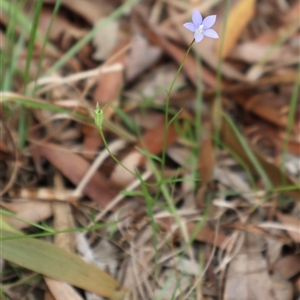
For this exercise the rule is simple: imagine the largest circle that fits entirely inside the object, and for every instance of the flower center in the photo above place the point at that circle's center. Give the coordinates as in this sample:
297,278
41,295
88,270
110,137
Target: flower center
199,30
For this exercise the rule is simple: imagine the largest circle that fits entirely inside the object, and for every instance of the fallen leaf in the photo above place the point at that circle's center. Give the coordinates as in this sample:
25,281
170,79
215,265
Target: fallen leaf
109,85
288,266
283,289
207,235
63,218
142,56
255,230
204,234
61,290
89,9
247,278
291,222
252,52
30,210
207,160
293,14
238,18
60,26
74,167
105,40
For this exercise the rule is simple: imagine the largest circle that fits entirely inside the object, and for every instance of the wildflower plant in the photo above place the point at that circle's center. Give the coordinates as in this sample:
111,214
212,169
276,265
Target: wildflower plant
200,27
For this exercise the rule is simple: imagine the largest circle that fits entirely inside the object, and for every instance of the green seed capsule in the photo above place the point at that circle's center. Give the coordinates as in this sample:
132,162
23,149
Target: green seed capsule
98,116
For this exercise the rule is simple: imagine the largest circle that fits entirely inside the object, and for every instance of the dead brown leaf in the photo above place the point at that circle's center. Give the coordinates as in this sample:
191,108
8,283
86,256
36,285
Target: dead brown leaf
248,278
274,80
91,10
207,235
63,218
62,290
288,266
207,161
110,85
30,210
269,106
59,27
105,40
292,223
254,229
238,18
74,167
141,57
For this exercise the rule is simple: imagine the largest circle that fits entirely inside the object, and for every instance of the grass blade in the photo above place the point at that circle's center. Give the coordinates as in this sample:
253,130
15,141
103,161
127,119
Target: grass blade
54,262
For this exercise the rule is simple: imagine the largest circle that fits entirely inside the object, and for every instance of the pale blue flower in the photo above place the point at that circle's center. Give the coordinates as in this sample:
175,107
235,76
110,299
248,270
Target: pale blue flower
201,27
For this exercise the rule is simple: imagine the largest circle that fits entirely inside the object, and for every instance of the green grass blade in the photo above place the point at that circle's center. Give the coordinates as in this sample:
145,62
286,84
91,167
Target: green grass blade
54,262
249,153
31,42
55,11
291,116
39,104
23,20
24,120
217,105
125,118
12,48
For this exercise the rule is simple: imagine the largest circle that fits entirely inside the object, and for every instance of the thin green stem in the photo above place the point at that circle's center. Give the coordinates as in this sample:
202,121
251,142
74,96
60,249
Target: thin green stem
291,118
112,155
98,119
53,16
167,123
217,105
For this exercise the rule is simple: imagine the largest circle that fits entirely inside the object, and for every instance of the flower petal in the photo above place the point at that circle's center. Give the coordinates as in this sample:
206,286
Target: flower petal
197,18
198,37
211,33
209,21
190,26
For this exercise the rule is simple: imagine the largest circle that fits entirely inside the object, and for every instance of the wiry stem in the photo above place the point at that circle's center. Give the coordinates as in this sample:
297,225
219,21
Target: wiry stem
168,104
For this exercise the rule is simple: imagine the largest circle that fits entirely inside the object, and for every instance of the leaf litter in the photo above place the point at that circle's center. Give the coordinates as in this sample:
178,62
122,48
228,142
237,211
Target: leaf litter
218,220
